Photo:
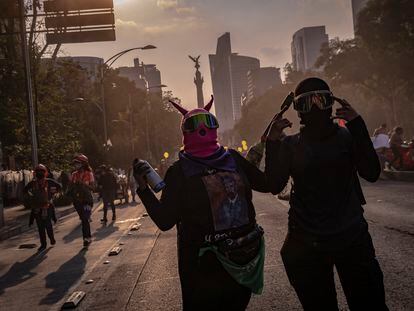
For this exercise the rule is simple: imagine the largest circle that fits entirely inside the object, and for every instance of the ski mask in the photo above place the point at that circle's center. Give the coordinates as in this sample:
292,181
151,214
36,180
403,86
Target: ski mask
317,121
199,128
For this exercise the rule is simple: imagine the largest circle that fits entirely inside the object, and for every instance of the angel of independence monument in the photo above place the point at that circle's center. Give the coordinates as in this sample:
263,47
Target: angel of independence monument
198,81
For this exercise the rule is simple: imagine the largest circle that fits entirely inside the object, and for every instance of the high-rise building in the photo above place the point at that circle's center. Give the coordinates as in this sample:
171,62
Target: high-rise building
357,6
229,80
240,66
142,74
306,47
259,81
92,65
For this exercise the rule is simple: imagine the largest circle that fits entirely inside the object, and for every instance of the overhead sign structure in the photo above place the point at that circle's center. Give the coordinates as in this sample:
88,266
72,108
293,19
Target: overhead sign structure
78,21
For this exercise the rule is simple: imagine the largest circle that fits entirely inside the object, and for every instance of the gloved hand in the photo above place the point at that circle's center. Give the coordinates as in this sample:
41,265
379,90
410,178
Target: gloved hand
141,169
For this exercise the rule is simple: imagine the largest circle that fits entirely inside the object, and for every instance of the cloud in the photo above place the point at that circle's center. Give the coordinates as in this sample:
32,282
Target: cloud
185,10
159,29
125,24
167,4
273,52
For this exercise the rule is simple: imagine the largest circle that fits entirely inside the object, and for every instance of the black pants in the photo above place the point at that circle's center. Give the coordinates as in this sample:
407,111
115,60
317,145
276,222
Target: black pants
84,216
397,156
309,263
210,287
108,202
44,225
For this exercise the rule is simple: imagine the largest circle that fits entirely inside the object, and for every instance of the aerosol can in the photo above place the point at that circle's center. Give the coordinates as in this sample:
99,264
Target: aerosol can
154,180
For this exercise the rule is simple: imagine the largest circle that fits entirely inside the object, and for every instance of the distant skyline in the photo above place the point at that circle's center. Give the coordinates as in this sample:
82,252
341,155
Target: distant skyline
260,28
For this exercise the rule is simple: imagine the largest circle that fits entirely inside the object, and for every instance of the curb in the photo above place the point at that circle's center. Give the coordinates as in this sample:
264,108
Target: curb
19,229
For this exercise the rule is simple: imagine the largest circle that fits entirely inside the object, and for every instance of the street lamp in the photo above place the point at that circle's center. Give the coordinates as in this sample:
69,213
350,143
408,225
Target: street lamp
149,155
109,62
103,111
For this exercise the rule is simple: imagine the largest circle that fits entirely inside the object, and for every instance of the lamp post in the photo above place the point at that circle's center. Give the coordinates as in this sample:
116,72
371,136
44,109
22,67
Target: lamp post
149,155
130,124
109,62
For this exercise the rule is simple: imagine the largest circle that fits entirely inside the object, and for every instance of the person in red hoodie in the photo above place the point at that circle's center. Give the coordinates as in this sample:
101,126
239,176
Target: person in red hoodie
38,195
80,189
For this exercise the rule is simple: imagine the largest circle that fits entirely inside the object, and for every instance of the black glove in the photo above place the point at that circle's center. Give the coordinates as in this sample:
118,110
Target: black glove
141,168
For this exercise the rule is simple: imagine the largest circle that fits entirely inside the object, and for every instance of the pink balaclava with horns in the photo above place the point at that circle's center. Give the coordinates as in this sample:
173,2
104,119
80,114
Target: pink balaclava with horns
203,141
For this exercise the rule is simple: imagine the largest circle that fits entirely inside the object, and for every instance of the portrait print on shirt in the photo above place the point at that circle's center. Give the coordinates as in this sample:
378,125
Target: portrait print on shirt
229,207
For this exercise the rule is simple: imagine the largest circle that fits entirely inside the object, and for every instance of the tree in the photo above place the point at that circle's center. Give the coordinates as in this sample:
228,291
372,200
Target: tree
378,61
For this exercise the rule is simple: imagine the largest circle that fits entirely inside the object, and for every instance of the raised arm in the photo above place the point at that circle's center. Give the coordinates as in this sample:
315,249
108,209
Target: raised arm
364,155
164,212
277,164
278,155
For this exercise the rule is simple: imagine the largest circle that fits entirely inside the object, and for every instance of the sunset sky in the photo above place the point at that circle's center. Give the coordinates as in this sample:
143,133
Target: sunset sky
259,28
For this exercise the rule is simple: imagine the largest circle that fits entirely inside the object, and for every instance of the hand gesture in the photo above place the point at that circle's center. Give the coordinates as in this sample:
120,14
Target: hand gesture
346,112
277,126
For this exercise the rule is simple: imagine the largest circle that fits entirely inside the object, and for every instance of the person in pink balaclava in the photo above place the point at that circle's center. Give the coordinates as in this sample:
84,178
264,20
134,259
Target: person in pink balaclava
208,197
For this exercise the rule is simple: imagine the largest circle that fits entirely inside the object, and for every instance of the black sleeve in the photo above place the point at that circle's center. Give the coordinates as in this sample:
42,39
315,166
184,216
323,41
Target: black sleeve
257,179
164,212
54,183
277,164
27,188
364,155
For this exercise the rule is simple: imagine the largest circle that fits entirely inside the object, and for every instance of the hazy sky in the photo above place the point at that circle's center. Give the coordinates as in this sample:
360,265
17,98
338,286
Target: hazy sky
259,28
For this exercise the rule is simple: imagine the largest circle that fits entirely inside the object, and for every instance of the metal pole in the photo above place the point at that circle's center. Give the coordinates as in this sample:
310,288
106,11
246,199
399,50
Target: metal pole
131,126
147,127
104,108
28,84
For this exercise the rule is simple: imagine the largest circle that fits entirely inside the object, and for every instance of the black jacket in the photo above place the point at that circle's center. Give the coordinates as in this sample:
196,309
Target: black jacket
107,185
326,194
33,198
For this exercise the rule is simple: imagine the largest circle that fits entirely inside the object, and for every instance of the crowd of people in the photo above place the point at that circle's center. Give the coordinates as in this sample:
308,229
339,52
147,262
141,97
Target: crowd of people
208,196
394,152
79,186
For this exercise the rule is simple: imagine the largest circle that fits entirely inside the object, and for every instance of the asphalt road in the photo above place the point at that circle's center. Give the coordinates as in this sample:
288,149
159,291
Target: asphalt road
390,214
144,275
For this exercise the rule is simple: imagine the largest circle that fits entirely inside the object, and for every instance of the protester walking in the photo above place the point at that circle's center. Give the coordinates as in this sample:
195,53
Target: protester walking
327,228
80,189
107,187
208,196
38,195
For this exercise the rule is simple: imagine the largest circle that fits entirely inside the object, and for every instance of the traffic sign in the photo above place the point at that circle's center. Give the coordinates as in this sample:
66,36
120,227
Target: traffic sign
82,36
76,5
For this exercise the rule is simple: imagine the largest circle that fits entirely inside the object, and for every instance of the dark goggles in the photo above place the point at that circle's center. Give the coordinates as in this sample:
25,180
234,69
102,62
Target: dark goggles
321,99
193,123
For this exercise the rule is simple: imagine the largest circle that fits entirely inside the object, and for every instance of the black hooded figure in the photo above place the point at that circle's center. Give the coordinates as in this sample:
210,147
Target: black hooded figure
326,223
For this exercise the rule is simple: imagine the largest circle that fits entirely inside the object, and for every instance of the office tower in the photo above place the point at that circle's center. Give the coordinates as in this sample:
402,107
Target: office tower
357,6
259,81
229,80
306,47
143,75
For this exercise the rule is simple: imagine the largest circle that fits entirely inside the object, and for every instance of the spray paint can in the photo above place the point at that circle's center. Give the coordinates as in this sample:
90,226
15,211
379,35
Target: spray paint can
154,180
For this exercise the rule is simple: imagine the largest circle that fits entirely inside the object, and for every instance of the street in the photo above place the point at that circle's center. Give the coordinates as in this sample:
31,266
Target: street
144,275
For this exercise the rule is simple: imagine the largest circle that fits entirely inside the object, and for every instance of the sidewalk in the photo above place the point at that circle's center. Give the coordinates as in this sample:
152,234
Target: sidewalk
17,219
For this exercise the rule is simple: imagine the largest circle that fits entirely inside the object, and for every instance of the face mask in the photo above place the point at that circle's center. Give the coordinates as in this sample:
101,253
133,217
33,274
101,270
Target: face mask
316,118
40,175
199,128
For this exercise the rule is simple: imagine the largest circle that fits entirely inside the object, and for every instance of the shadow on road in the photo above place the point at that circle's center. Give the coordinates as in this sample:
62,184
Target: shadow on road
63,279
104,231
73,235
21,271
